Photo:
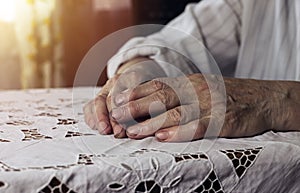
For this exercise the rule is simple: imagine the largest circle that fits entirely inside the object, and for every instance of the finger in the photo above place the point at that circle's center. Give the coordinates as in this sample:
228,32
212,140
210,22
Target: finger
193,130
107,88
118,129
104,108
139,91
174,117
88,114
102,117
127,81
96,114
109,104
156,103
183,86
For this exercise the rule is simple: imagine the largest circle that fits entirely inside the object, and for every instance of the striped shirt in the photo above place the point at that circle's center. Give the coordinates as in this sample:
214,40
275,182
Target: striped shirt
247,38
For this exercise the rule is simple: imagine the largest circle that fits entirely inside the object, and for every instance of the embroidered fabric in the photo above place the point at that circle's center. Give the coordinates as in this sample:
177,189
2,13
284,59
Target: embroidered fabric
211,185
46,147
242,159
55,186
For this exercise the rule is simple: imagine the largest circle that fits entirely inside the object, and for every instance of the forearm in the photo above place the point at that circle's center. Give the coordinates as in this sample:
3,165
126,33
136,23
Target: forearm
287,111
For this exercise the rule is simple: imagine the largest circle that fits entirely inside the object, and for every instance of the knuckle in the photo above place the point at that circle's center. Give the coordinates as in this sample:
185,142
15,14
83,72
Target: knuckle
196,75
175,115
157,84
161,96
188,113
99,98
148,124
133,93
134,107
97,102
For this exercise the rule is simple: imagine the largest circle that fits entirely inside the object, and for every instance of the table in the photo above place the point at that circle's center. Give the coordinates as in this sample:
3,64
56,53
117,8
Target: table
45,146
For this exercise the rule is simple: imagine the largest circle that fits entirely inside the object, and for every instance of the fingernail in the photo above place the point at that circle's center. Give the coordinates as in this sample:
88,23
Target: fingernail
116,114
102,126
162,135
117,130
133,131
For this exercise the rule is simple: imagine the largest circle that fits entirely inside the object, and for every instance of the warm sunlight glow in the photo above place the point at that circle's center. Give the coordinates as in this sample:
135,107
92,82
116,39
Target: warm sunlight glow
7,10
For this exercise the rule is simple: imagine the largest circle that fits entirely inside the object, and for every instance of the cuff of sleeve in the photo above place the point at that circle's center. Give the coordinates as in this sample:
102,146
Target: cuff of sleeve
125,55
170,61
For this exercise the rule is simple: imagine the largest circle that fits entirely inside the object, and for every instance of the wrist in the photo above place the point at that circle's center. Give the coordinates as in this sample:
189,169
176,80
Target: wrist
143,64
286,106
131,63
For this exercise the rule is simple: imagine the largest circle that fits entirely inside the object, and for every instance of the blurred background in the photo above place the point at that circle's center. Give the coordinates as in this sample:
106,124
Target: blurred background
42,42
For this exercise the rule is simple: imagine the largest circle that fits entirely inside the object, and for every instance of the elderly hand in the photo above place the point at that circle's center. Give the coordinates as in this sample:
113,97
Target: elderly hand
97,111
181,107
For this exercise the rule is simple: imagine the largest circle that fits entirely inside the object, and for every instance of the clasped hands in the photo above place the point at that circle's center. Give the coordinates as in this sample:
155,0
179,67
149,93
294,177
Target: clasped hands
137,104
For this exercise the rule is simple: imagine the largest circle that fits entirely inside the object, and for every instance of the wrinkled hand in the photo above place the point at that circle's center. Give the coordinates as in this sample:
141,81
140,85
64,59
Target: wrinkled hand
181,107
97,111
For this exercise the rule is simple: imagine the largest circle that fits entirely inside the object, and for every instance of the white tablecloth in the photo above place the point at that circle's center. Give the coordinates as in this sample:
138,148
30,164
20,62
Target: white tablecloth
46,147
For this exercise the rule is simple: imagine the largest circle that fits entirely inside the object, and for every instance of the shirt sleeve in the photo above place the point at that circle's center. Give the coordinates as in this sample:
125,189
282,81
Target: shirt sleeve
214,25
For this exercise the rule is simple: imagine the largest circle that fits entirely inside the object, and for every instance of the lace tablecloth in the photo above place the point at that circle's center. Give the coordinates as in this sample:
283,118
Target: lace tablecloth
46,147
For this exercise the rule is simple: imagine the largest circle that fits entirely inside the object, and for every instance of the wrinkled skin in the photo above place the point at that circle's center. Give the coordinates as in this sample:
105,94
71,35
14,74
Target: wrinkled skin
247,113
97,111
180,108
